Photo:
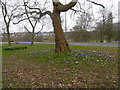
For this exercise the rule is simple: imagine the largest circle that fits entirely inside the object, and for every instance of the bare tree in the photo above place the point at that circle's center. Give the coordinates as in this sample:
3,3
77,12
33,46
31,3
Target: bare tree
109,27
33,25
61,42
28,14
83,23
99,31
101,25
33,33
8,15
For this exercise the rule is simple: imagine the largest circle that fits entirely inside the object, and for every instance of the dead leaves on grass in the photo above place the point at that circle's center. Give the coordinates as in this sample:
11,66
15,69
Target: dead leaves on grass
66,71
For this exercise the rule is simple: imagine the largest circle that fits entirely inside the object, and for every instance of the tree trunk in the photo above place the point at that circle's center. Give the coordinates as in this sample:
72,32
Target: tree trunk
109,38
61,44
32,39
101,36
8,36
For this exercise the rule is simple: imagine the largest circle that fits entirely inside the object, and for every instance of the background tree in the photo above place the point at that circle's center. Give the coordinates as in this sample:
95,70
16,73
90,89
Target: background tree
115,31
8,12
105,25
99,31
83,23
32,18
109,27
78,34
103,22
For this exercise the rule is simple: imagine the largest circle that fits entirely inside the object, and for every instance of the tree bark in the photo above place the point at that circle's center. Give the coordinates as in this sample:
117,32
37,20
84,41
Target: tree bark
8,36
60,40
32,38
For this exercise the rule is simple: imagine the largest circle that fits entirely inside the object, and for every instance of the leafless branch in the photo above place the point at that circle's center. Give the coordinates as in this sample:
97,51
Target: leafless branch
96,3
78,11
46,13
21,20
40,29
27,29
27,14
34,8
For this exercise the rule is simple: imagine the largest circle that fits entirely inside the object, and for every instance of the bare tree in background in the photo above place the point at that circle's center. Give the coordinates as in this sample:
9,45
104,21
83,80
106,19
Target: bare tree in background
83,23
8,12
102,24
109,27
105,25
32,18
99,31
33,25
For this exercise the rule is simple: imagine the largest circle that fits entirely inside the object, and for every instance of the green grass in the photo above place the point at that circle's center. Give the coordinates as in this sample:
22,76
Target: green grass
0,66
39,67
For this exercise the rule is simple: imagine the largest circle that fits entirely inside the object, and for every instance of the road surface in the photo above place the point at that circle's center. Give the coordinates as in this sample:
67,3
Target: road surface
75,43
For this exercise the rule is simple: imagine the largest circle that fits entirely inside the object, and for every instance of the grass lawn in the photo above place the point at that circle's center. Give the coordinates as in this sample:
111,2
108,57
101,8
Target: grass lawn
39,67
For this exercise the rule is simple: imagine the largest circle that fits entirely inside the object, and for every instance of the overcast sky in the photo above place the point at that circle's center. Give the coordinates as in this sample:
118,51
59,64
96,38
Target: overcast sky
70,22
111,5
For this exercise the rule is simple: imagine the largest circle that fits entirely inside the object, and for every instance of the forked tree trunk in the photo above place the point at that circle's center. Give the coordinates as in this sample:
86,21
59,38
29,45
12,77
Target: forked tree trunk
61,44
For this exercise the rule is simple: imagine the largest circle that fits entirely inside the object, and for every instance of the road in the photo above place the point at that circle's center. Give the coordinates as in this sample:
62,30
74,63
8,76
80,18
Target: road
75,43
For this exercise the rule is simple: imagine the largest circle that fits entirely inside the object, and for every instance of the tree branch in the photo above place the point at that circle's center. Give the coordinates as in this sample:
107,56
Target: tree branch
40,29
40,12
46,13
78,11
34,8
66,7
96,3
21,20
28,15
4,15
27,30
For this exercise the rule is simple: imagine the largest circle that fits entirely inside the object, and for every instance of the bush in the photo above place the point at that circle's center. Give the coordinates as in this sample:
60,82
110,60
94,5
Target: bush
14,48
